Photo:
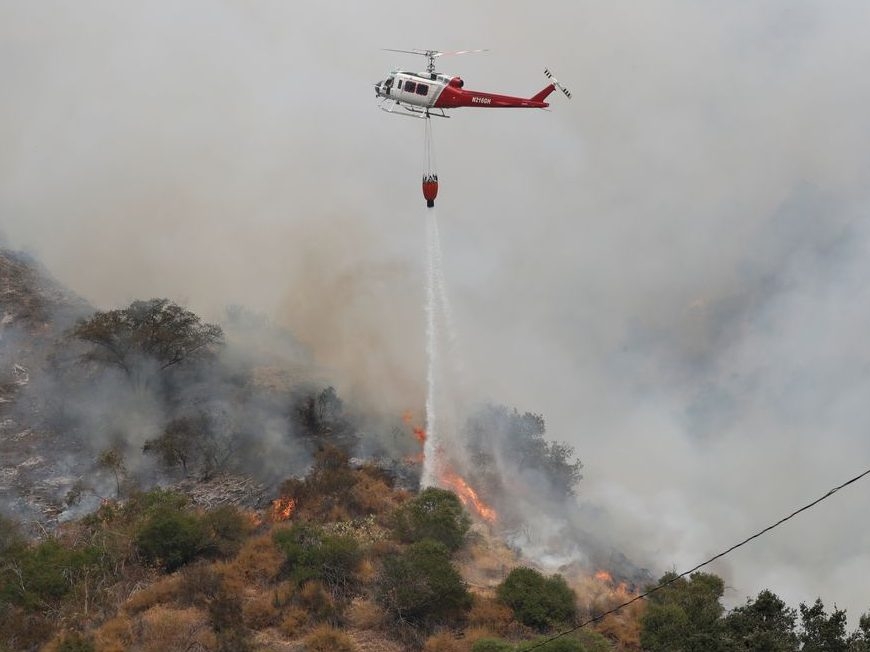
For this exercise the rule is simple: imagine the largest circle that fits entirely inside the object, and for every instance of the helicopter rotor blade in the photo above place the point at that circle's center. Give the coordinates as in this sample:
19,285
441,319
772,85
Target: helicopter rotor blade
441,54
424,53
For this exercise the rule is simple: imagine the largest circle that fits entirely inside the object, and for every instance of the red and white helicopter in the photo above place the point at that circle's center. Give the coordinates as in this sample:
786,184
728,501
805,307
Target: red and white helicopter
430,93
424,94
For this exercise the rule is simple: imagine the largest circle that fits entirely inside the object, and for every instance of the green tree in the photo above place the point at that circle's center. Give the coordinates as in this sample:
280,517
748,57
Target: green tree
422,587
685,616
821,632
538,601
435,514
156,330
762,625
859,640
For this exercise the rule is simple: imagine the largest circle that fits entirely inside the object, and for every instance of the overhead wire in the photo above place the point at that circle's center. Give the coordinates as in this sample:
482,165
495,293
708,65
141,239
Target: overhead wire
699,566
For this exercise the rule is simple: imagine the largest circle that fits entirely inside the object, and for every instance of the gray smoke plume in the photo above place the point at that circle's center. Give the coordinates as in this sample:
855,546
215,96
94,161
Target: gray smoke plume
670,267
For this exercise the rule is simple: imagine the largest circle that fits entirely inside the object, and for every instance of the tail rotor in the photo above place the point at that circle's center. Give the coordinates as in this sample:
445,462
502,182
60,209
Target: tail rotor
556,83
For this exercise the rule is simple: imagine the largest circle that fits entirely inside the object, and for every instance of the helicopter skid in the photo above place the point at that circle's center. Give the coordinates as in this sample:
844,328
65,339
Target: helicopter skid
397,108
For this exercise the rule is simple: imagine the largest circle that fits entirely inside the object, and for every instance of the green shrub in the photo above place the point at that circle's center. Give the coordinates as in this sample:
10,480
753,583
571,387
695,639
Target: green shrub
491,645
537,601
313,553
170,538
421,586
563,644
45,573
226,529
435,514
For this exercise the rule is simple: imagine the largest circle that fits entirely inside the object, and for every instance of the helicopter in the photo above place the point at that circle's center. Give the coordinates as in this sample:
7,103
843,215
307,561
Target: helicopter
430,93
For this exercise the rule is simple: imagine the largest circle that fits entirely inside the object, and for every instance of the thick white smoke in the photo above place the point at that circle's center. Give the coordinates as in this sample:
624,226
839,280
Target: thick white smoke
669,267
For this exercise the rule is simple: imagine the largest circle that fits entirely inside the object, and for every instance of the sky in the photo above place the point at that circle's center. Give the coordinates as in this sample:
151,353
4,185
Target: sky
671,267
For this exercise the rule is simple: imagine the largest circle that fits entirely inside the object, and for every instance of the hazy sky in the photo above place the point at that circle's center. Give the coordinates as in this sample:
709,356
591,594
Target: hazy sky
672,267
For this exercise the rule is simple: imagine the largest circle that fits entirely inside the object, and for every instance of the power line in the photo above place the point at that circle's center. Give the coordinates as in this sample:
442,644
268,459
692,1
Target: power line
701,565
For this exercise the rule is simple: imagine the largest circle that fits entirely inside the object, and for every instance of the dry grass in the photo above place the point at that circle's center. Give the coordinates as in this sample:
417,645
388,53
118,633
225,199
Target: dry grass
163,591
365,614
295,622
257,563
490,613
160,629
115,635
261,612
328,639
445,642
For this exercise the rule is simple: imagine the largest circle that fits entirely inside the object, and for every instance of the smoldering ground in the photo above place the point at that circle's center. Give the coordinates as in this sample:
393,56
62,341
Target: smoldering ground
668,267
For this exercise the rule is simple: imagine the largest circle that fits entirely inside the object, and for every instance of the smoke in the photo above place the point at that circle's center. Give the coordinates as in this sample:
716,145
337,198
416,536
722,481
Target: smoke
669,267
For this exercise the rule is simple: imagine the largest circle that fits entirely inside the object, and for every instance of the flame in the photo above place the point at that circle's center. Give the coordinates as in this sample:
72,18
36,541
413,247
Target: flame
283,508
254,519
618,591
420,434
467,495
604,576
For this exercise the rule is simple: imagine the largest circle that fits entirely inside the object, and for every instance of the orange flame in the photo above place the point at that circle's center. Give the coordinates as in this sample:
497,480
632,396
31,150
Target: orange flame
420,434
604,576
283,508
468,496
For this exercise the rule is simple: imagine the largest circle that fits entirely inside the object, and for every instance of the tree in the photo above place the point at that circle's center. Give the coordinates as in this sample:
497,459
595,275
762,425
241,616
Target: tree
538,601
435,514
859,640
157,330
520,440
820,632
764,624
113,460
685,615
178,444
422,587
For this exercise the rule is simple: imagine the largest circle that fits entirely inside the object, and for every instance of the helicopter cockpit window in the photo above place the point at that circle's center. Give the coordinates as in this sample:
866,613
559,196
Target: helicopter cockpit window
410,86
422,89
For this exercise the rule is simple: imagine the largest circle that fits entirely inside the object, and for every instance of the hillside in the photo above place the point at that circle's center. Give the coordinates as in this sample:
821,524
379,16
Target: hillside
173,484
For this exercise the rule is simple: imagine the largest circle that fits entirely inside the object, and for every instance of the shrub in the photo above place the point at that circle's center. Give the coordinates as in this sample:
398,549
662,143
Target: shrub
537,601
435,514
491,645
226,529
48,571
170,539
563,644
421,585
314,554
74,642
327,639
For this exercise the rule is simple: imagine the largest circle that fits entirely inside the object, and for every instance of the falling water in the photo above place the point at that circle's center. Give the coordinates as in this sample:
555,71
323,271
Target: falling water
433,264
